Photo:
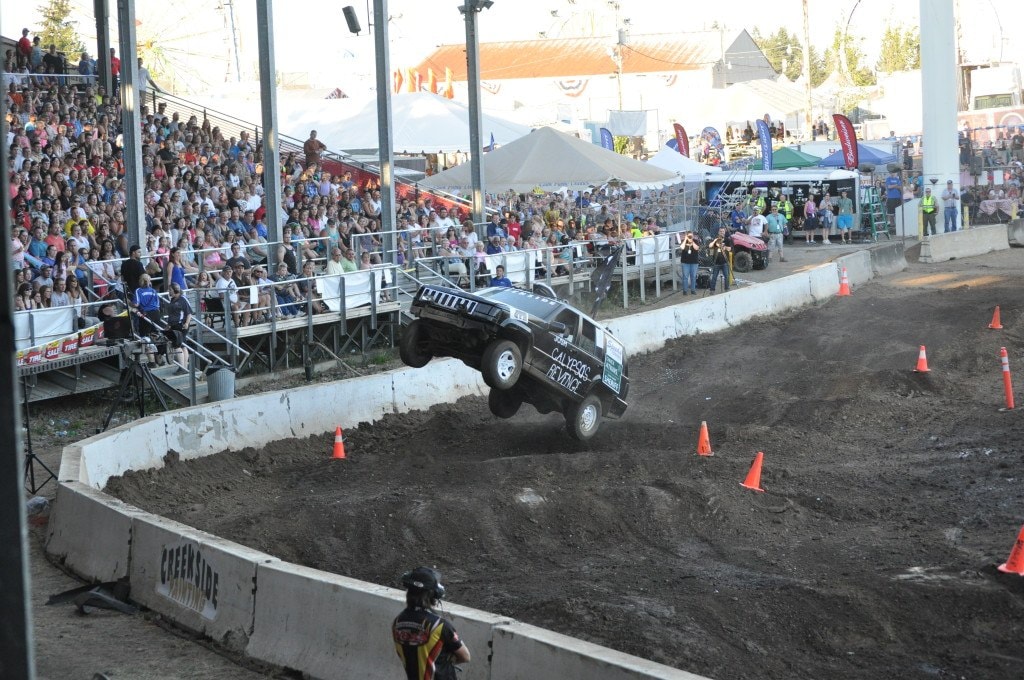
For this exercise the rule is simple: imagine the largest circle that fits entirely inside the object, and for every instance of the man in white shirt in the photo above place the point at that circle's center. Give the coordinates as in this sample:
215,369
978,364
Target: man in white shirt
951,206
757,223
226,283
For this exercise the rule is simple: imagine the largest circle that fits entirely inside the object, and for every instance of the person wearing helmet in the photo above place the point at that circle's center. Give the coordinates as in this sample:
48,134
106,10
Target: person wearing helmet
427,644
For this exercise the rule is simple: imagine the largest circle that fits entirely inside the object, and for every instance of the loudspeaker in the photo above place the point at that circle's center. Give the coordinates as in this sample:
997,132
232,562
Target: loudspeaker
351,19
117,328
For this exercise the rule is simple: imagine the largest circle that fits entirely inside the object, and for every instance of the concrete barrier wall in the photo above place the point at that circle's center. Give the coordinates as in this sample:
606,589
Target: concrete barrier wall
325,625
130,447
334,627
858,268
90,533
1015,232
887,258
964,243
201,582
521,649
823,282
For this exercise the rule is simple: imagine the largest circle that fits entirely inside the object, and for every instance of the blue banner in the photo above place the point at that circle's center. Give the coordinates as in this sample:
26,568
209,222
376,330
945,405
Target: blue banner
764,135
606,139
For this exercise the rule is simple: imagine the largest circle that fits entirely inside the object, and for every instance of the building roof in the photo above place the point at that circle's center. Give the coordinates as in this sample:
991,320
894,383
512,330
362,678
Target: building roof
572,57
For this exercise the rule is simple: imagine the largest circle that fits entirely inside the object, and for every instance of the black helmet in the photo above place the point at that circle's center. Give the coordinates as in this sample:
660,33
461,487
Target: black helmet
424,579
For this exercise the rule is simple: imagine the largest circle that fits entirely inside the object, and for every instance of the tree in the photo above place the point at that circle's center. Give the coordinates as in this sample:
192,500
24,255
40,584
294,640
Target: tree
900,51
785,53
859,74
58,29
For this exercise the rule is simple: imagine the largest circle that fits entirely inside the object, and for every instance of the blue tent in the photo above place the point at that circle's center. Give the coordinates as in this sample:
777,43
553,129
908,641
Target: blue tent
866,154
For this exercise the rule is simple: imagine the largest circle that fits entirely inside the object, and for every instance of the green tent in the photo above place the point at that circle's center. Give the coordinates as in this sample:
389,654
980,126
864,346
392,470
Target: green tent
791,158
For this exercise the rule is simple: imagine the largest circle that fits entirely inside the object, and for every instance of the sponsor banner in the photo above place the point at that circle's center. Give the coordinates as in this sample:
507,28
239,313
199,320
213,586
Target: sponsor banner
51,350
189,578
60,347
848,138
682,141
69,345
764,136
87,338
606,139
711,137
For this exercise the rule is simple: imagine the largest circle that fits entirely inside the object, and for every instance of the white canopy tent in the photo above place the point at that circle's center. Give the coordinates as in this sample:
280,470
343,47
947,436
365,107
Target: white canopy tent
421,122
552,160
687,168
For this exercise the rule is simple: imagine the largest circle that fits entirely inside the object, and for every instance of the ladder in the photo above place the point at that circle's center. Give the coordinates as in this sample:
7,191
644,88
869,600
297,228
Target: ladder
871,204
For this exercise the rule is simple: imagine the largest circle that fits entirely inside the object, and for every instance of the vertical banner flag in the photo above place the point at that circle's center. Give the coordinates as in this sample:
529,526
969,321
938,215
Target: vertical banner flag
431,81
606,139
682,141
398,80
490,147
410,80
764,135
601,277
449,89
848,140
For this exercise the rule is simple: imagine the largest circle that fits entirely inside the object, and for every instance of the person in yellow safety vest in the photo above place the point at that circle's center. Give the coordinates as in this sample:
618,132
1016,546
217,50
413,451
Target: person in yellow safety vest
786,208
928,208
758,201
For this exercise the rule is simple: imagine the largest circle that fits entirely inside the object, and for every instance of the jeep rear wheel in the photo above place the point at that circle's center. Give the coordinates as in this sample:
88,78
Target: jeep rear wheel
583,419
742,261
504,404
501,364
410,346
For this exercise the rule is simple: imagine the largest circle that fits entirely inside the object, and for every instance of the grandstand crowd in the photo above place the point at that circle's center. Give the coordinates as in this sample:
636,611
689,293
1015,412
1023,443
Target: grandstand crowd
204,212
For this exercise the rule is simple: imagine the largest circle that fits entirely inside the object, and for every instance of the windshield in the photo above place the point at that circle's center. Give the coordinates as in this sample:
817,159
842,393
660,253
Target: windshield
534,305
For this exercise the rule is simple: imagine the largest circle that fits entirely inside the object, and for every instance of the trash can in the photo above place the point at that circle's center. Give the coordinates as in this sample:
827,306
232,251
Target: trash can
220,382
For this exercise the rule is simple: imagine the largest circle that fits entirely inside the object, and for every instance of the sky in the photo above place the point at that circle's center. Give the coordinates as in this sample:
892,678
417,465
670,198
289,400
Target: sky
312,35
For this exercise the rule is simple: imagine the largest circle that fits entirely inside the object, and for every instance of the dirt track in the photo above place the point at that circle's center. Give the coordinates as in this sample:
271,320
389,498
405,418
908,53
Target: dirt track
890,496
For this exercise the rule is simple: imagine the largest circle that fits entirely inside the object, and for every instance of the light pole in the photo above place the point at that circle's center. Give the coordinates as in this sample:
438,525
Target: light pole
808,114
476,150
616,54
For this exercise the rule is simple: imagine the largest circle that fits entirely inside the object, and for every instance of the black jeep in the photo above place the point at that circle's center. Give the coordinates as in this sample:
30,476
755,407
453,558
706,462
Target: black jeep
529,346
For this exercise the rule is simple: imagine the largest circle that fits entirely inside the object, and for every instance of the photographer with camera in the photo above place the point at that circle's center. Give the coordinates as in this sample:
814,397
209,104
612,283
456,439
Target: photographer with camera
689,257
720,249
427,644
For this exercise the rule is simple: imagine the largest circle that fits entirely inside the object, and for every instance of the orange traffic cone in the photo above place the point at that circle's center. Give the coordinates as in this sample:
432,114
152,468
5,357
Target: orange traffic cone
922,362
339,445
704,441
753,480
844,285
995,325
1015,563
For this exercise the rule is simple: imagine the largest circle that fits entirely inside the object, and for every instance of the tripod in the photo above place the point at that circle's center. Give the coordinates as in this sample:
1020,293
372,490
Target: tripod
134,378
31,460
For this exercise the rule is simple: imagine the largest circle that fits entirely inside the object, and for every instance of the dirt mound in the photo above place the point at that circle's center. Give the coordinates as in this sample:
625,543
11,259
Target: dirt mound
890,496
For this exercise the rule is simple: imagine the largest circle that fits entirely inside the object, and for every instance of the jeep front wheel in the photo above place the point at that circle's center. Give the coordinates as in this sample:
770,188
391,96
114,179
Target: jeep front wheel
742,261
504,404
501,365
583,419
410,346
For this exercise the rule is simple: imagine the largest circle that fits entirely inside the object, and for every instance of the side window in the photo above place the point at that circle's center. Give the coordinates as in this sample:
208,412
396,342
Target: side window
588,338
571,321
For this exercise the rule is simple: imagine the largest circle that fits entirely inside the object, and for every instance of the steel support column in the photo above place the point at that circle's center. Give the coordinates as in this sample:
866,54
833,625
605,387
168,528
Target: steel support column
16,644
101,10
384,141
135,213
268,109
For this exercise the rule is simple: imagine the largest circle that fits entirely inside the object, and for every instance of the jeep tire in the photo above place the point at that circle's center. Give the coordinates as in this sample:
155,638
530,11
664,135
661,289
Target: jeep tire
742,261
410,346
504,403
583,419
501,365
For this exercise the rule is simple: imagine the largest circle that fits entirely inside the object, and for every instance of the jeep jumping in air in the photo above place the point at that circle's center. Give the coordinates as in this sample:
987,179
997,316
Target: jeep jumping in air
530,348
